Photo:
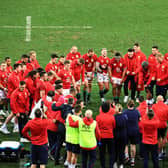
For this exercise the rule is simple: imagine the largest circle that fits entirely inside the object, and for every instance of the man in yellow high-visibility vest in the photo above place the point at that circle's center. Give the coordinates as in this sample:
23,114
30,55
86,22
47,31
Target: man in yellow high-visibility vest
88,133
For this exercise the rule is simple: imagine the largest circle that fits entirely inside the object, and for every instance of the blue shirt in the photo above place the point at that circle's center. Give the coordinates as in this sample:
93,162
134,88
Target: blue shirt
133,116
120,130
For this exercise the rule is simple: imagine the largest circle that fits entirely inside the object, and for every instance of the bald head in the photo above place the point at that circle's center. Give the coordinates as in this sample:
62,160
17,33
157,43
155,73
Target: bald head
160,98
74,49
88,113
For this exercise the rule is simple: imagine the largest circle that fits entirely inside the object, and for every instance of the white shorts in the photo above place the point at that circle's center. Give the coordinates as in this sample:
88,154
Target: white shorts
102,77
66,92
2,94
116,80
87,77
78,82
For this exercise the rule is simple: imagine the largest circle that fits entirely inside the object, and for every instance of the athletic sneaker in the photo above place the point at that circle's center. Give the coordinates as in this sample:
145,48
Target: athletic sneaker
4,130
137,100
132,164
160,157
115,165
2,113
63,144
66,163
24,140
121,166
72,166
126,99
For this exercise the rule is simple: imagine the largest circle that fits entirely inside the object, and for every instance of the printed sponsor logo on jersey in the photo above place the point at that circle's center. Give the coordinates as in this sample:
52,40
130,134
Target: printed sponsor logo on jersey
90,64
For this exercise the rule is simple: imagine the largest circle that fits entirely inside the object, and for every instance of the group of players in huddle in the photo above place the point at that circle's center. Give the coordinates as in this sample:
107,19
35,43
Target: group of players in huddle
26,84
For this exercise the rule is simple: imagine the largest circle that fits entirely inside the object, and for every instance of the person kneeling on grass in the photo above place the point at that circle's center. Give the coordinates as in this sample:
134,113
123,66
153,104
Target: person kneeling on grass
38,129
88,133
72,139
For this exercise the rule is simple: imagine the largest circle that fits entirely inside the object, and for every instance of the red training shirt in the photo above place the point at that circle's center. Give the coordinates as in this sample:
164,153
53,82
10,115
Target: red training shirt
104,64
38,128
89,62
149,130
19,101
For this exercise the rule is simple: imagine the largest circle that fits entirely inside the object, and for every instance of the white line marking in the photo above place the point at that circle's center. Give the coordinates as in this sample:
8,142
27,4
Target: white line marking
46,27
62,27
12,27
28,28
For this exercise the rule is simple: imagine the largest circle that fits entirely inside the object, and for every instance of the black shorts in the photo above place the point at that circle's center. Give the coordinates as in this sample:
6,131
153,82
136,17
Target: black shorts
39,154
133,139
162,132
151,86
161,90
74,148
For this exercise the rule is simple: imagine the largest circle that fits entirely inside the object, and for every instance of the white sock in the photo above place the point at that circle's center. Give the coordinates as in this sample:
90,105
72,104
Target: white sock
126,155
15,125
102,99
132,159
4,125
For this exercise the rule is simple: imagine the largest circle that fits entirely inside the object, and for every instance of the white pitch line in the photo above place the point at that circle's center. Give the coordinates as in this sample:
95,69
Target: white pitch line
12,27
62,27
28,28
46,27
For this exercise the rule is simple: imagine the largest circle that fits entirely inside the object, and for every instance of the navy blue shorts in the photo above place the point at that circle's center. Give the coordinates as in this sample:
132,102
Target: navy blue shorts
133,139
162,132
151,86
161,90
39,154
74,148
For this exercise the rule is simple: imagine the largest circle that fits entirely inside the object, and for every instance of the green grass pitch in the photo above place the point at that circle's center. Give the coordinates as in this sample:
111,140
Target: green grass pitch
115,24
